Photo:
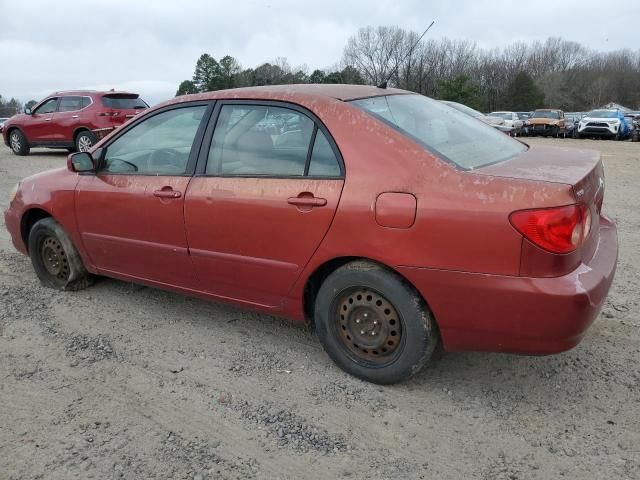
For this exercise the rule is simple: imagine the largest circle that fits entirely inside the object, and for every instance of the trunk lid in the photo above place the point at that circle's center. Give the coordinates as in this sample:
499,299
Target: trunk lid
581,169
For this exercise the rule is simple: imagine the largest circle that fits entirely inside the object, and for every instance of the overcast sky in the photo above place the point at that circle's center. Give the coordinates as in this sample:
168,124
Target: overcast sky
150,46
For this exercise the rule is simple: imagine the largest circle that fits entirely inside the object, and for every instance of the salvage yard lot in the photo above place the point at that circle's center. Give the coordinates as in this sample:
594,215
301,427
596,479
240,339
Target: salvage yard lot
124,381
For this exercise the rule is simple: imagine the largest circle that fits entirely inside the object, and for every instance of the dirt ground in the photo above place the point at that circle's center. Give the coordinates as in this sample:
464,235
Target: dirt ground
124,381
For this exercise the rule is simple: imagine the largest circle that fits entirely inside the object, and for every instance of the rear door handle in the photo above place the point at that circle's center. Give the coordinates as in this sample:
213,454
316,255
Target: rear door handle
47,119
167,193
75,116
307,201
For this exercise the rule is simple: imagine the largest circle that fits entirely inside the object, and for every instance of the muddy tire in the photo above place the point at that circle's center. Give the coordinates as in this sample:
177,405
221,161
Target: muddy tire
55,259
373,324
18,143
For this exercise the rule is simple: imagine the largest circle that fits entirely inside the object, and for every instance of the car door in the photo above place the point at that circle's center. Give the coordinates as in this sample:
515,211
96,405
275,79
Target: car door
130,212
68,117
264,195
39,127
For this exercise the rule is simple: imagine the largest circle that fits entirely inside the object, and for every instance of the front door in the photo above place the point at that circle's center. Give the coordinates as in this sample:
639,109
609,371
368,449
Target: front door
263,203
40,126
131,212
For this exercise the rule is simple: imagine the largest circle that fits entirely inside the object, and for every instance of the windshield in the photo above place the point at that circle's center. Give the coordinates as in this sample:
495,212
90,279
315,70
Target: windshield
602,114
545,114
123,102
455,136
464,109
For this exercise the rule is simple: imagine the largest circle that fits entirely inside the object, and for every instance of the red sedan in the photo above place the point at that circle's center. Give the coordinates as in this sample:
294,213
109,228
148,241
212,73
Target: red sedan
392,222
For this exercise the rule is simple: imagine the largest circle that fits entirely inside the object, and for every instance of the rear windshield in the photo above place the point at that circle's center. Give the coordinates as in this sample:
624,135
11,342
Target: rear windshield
452,135
123,102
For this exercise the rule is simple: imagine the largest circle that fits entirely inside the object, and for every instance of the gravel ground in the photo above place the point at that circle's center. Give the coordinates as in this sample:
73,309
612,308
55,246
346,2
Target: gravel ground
124,381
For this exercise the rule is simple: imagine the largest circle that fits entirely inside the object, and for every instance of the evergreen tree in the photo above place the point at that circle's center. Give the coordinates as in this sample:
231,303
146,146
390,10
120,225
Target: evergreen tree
522,94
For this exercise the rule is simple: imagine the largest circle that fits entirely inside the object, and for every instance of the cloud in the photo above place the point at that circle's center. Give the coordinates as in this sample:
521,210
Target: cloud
150,46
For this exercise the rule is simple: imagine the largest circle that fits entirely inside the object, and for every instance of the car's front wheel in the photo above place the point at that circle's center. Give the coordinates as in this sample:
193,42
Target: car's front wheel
85,140
55,259
373,324
18,142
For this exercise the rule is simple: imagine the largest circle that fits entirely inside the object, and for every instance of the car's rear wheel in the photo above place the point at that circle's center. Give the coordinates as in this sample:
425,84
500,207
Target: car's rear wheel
54,257
373,324
18,142
85,140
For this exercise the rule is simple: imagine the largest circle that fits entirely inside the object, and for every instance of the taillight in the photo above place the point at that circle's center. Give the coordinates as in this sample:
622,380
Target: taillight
558,229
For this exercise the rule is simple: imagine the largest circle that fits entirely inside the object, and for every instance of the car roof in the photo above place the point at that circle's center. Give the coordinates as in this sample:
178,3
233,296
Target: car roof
292,92
91,92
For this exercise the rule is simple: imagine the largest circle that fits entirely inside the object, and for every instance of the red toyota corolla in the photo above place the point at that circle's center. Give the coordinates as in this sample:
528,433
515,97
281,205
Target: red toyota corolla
390,221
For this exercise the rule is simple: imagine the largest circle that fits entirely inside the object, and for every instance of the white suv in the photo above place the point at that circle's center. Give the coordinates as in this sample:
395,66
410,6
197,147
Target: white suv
604,123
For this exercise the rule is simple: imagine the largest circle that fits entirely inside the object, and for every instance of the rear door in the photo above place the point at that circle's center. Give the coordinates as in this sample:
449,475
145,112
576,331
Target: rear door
130,212
262,200
70,111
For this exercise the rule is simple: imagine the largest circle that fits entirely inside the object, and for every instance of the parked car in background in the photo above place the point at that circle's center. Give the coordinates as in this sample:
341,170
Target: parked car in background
523,115
547,122
571,120
2,120
496,122
74,120
511,120
390,221
604,124
635,128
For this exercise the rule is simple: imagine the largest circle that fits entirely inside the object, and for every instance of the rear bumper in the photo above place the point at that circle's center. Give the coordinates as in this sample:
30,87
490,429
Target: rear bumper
516,314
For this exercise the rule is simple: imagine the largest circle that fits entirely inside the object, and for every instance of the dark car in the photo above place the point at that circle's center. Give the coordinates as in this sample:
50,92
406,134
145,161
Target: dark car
74,120
390,221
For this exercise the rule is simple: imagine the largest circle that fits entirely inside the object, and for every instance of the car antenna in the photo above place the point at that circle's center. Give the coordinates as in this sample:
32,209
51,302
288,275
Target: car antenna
384,84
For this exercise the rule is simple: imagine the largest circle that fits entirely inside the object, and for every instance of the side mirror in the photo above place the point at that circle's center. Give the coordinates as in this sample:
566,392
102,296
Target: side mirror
27,111
80,162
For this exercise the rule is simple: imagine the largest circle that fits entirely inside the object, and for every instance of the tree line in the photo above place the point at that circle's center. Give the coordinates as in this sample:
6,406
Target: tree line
521,76
12,106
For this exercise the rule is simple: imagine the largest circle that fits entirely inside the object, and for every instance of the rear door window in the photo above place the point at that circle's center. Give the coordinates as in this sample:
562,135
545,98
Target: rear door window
70,104
257,140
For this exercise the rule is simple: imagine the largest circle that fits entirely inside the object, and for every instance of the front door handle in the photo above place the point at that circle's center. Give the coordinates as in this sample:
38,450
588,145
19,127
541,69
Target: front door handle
167,192
75,116
47,119
307,201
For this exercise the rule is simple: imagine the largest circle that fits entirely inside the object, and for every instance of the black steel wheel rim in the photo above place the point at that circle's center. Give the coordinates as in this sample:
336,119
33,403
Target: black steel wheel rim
54,258
368,326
